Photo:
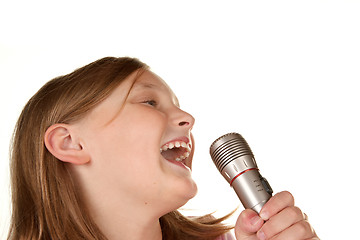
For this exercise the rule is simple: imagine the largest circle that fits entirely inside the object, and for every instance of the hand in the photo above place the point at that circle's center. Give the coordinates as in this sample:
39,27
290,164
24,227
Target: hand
279,220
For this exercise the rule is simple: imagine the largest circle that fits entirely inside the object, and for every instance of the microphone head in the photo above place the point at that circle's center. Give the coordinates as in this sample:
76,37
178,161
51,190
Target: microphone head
228,148
236,163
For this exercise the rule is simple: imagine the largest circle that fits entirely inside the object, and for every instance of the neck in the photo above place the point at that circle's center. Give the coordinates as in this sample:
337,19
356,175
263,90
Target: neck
130,229
125,221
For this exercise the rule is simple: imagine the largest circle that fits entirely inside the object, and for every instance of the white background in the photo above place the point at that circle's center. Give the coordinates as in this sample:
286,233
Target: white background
284,74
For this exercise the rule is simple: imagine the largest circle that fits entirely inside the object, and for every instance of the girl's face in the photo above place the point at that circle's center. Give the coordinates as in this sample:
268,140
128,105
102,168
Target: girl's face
127,137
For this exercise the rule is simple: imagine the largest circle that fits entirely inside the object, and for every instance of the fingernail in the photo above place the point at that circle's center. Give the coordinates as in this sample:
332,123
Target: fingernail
261,235
255,220
264,215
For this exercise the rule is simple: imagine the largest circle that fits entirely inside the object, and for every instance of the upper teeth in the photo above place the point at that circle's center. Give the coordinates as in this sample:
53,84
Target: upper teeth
178,144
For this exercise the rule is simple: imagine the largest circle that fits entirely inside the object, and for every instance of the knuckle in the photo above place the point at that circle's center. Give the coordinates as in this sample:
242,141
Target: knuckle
304,228
289,197
295,213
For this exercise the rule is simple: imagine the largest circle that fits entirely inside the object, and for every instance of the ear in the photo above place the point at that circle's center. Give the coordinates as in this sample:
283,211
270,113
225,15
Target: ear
61,141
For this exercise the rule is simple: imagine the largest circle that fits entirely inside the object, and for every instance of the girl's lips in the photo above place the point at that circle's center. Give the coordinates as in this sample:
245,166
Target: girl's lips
179,139
180,164
182,152
177,149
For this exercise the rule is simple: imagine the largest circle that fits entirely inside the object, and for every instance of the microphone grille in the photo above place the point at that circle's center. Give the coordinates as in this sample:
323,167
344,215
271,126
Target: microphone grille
227,148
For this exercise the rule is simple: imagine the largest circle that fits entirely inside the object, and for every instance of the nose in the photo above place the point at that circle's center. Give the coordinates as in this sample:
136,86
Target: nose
183,119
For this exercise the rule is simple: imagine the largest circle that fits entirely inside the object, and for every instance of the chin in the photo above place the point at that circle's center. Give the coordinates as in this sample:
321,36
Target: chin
193,191
187,192
176,199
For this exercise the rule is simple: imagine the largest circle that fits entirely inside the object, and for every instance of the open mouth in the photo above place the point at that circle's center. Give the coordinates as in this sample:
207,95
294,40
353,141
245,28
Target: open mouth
176,151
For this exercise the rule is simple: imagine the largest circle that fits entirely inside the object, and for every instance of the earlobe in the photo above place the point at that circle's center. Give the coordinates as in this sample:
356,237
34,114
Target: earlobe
61,142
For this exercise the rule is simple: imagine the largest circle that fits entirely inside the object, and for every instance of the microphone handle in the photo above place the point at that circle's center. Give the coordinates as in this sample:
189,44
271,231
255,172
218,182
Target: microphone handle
252,189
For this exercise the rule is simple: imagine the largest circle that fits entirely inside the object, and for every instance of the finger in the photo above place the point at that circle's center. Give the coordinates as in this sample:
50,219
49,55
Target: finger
247,224
281,221
300,230
277,203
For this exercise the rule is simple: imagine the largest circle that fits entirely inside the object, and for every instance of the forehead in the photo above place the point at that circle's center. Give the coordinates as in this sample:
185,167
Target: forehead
149,80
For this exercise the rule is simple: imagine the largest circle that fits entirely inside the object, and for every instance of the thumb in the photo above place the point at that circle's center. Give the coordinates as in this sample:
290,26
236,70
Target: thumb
247,224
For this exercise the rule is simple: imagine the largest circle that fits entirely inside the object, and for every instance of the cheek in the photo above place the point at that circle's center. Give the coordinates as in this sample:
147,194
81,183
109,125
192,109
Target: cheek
143,128
133,137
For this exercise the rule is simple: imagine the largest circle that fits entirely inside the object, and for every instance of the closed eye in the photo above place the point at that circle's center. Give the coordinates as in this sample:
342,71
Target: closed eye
151,102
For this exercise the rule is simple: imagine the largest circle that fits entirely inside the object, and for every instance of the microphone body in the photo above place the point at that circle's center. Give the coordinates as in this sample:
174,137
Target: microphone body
234,159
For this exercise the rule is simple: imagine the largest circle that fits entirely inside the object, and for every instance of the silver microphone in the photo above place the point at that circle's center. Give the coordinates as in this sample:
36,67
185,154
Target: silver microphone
234,159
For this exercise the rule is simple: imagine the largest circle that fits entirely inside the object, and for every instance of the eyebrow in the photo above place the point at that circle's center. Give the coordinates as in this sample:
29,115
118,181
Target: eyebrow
145,85
148,85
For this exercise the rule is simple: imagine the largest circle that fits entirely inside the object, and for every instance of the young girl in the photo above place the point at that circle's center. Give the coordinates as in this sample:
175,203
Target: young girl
105,153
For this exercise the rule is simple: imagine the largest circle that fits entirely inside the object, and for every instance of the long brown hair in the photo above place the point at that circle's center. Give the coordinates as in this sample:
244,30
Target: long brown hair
45,202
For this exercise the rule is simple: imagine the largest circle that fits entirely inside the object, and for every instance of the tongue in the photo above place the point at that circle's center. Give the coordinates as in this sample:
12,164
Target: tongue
172,154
